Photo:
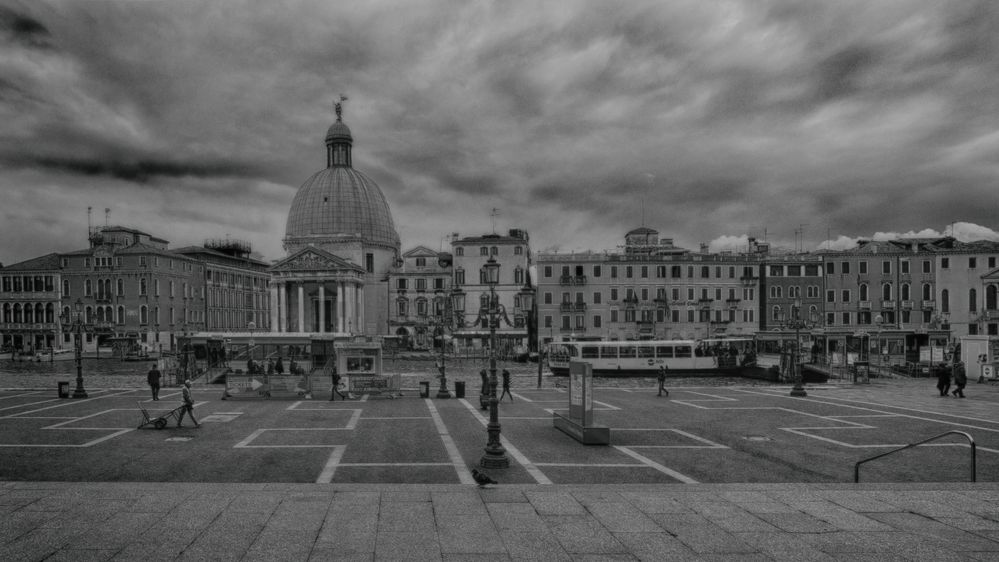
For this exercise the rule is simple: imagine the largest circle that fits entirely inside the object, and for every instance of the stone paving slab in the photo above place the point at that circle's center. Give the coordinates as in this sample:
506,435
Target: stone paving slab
171,521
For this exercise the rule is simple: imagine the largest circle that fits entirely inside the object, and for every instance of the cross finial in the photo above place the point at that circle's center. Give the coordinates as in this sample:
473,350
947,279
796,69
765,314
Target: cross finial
338,107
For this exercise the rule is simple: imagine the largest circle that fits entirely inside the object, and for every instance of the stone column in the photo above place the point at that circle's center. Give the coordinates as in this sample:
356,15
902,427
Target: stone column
273,307
360,307
351,322
301,307
339,306
322,307
282,306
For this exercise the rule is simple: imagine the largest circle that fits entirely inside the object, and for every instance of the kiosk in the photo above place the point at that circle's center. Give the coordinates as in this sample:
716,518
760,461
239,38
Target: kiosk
578,422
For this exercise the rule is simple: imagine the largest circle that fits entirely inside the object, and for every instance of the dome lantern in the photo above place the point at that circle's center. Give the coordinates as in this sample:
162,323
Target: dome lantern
338,138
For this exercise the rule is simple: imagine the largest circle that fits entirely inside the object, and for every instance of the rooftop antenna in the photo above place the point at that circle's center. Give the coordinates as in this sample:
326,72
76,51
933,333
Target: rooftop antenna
107,216
492,217
90,224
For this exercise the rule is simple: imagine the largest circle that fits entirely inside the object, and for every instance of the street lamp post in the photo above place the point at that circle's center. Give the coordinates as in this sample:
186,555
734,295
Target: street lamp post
444,313
797,323
495,454
878,321
80,392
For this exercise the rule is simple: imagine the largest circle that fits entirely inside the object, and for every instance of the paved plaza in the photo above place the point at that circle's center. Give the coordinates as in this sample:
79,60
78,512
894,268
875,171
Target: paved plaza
710,472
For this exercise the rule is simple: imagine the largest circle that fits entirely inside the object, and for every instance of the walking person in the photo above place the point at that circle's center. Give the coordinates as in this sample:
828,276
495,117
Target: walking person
484,393
506,386
943,379
960,379
153,378
662,380
188,405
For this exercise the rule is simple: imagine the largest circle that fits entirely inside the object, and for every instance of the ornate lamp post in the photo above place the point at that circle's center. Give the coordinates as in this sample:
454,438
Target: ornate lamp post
444,321
794,321
78,325
879,321
495,455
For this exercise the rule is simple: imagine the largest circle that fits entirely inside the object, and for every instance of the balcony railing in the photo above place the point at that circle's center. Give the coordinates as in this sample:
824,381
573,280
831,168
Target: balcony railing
572,280
865,305
887,305
929,305
906,305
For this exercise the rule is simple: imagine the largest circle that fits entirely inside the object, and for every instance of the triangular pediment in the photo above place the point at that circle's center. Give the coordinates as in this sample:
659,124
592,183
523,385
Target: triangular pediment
314,259
992,275
420,252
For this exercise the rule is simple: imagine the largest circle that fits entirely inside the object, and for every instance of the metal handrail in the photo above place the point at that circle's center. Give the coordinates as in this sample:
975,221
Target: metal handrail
971,442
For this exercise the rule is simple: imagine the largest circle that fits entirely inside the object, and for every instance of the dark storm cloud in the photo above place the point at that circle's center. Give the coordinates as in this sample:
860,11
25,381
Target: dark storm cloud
577,120
23,29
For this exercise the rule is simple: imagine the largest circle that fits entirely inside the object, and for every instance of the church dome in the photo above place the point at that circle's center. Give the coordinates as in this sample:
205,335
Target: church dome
340,201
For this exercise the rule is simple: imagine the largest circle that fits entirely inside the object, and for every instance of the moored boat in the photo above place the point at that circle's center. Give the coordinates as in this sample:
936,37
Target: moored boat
55,355
723,356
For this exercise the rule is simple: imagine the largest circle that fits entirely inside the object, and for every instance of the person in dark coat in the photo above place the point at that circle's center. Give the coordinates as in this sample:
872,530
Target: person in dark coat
943,379
662,380
279,367
484,393
506,385
153,378
960,379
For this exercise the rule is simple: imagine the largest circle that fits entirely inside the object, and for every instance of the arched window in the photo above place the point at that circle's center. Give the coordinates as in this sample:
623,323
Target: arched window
142,286
121,315
100,314
886,292
121,287
990,298
403,306
29,314
945,300
421,307
459,251
89,315
973,300
813,313
17,313
776,313
39,312
65,287
6,313
904,289
927,292
88,288
143,314
494,250
863,292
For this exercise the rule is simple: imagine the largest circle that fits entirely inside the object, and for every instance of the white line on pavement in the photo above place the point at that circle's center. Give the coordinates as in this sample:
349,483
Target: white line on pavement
464,475
653,464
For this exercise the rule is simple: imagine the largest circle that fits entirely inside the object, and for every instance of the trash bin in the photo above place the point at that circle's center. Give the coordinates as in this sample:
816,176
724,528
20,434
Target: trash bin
424,389
63,389
459,389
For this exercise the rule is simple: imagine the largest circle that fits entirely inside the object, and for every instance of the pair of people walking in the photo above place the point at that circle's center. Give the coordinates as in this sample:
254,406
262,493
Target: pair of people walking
960,378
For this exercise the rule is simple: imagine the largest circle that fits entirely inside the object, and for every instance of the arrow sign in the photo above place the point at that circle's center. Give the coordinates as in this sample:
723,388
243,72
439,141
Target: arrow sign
255,384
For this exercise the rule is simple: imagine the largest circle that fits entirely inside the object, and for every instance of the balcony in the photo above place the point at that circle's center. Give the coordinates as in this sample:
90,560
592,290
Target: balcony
572,280
865,305
929,305
887,305
906,305
572,307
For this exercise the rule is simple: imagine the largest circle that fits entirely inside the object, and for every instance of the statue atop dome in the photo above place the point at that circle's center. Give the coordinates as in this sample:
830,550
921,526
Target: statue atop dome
338,107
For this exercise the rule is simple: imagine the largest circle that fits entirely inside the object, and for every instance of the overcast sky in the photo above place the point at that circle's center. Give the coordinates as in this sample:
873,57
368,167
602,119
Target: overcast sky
809,123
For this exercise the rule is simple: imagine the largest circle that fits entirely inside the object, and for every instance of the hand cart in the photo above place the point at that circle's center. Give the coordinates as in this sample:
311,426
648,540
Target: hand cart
161,421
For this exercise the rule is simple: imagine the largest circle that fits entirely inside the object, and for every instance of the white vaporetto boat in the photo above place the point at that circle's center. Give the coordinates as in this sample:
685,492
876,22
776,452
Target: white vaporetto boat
55,355
717,356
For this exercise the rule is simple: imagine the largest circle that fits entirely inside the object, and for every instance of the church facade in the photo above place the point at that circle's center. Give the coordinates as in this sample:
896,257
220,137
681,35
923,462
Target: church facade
341,245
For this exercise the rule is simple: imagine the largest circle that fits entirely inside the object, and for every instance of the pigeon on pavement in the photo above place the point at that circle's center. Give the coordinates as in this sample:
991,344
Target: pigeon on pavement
482,479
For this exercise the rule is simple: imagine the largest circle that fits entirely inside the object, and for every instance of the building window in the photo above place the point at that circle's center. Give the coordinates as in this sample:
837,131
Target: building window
645,272
400,284
596,298
628,272
973,300
65,286
705,272
548,297
402,307
369,263
831,295
944,263
613,272
518,250
494,251
459,251
421,262
548,321
846,295
596,271
421,284
846,318
886,267
945,300
904,265
548,272
613,315
863,269
927,292
830,268
596,321
926,266
904,292
566,322
972,263
845,268
518,276
676,272
484,251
